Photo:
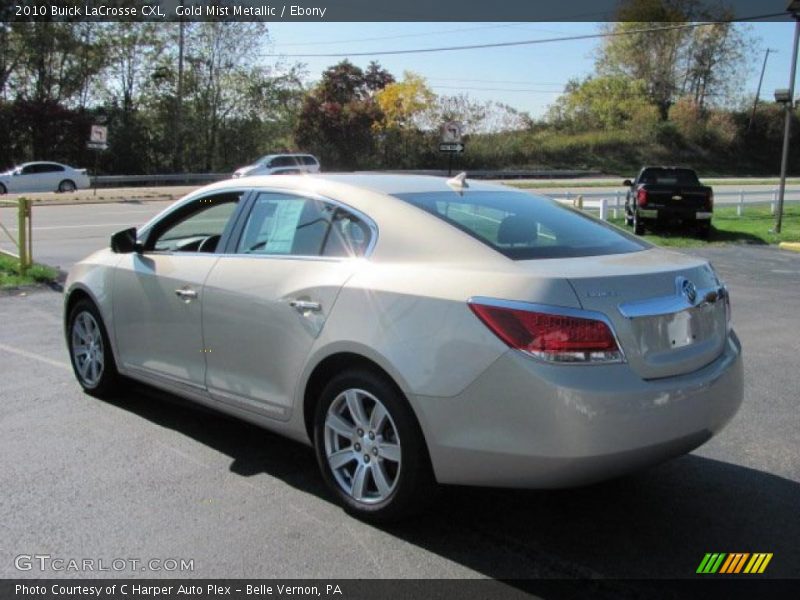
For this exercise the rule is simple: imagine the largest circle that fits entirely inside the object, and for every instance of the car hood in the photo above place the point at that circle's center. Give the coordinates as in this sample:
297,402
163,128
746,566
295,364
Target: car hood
245,170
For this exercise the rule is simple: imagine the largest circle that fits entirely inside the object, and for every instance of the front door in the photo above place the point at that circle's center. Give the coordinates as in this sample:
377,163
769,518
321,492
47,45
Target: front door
158,294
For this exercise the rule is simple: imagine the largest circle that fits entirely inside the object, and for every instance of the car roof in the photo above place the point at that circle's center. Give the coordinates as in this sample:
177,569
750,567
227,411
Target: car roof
408,232
390,184
42,162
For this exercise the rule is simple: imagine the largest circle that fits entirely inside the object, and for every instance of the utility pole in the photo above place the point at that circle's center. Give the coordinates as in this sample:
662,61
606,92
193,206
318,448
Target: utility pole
177,162
794,8
758,91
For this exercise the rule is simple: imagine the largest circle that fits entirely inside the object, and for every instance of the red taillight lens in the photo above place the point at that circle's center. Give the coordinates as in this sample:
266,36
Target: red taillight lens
551,337
641,197
710,201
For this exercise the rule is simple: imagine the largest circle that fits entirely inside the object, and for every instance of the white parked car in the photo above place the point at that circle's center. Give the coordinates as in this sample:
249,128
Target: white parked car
280,164
414,330
43,177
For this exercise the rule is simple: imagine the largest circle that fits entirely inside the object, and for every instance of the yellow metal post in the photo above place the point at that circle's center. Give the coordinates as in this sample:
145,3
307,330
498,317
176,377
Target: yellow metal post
24,234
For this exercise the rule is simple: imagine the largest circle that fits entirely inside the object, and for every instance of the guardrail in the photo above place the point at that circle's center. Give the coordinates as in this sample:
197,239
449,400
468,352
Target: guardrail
173,178
605,203
192,178
24,239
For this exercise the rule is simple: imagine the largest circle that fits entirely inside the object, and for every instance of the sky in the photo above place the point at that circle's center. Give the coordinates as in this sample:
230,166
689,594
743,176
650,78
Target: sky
528,78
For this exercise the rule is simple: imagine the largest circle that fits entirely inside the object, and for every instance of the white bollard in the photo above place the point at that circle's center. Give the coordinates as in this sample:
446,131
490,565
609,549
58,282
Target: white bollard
774,203
740,208
603,209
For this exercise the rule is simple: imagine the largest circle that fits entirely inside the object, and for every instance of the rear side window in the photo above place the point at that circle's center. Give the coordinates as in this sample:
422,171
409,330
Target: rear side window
283,224
523,227
659,176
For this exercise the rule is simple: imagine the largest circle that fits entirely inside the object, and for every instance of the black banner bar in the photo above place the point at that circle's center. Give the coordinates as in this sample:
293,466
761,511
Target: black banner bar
372,10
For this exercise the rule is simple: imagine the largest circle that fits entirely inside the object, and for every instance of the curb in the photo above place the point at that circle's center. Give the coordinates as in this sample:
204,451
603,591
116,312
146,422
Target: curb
793,246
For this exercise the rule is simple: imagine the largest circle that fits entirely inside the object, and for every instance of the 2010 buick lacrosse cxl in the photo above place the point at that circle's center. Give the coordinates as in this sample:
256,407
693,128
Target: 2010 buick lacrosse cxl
414,330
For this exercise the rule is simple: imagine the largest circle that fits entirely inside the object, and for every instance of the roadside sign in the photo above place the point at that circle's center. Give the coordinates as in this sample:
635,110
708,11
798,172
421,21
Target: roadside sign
99,134
451,148
452,132
97,145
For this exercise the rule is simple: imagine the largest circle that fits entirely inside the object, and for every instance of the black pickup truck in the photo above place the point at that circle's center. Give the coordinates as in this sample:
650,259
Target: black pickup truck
667,195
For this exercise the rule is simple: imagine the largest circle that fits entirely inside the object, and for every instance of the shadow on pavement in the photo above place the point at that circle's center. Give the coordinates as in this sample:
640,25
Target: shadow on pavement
656,524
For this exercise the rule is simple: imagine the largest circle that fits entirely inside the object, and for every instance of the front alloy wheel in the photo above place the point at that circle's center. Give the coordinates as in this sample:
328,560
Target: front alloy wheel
89,350
370,447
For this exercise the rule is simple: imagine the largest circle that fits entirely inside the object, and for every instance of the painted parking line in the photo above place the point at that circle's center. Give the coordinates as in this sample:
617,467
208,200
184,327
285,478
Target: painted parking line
34,356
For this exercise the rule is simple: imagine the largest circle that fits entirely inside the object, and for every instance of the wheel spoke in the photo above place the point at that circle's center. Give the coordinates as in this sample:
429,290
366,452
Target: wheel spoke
389,452
339,459
377,418
356,406
84,367
359,488
379,476
340,426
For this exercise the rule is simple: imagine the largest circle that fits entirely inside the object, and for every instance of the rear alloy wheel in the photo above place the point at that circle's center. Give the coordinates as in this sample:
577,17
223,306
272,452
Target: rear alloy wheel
638,225
370,448
89,350
67,186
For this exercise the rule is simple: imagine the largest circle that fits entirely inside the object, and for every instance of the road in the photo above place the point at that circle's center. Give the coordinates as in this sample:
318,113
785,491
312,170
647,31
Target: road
145,475
64,234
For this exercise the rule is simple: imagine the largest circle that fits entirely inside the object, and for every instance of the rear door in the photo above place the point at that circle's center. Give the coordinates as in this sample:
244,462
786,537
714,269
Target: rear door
268,297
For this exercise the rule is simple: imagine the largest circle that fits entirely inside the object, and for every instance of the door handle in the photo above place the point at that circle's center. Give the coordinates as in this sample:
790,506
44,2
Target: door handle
305,305
186,294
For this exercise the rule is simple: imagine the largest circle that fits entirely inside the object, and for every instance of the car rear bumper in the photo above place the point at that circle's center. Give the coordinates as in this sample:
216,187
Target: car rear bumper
523,423
671,214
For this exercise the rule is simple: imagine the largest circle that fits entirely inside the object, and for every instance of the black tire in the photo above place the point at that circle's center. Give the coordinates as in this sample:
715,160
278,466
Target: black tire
704,231
107,381
3,189
67,185
414,483
638,224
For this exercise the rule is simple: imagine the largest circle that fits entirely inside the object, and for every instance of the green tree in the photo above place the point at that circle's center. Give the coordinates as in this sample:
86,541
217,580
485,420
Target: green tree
602,102
701,61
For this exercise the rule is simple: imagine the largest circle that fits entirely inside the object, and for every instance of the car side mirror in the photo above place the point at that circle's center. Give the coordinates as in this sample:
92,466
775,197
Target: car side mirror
124,242
627,183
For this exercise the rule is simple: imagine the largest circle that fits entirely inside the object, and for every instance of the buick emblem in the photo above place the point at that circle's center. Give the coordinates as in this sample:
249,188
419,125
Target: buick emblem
689,290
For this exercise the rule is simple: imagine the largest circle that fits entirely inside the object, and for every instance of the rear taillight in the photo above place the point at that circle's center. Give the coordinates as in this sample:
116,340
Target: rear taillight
551,336
641,197
710,205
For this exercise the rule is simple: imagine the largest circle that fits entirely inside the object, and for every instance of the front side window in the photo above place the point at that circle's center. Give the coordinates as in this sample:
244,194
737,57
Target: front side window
522,227
283,224
197,227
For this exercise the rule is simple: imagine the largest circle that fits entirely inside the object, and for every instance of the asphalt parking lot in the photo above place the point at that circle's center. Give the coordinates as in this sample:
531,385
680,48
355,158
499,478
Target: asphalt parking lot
146,475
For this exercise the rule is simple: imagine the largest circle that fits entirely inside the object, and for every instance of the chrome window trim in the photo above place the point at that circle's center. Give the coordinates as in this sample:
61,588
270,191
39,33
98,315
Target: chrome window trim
565,311
373,227
144,231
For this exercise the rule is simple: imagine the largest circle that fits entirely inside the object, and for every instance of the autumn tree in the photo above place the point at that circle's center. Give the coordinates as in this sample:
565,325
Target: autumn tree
338,115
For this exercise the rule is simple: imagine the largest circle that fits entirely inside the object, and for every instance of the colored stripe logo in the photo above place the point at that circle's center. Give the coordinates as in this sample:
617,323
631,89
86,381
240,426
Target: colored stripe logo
734,563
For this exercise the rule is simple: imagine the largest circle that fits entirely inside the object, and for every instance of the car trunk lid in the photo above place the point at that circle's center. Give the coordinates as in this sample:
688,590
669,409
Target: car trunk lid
668,310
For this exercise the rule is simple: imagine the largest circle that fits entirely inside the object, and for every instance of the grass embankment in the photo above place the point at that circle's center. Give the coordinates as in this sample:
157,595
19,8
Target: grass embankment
753,227
10,276
550,184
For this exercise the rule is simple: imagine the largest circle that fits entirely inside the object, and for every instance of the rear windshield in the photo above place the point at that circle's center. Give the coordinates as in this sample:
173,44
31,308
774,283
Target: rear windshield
669,177
522,226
